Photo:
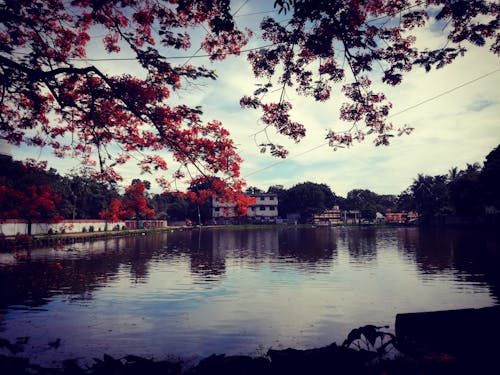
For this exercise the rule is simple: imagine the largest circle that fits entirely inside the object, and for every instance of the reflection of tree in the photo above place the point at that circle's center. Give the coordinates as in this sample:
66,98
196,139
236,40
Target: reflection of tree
206,260
142,249
361,243
471,253
407,239
33,281
308,245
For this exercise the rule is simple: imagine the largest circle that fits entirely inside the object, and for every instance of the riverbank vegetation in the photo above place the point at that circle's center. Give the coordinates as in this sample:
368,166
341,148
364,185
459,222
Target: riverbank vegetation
466,193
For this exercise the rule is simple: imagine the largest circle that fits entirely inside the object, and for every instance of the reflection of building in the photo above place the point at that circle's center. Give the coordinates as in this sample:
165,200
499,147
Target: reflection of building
401,217
328,217
265,210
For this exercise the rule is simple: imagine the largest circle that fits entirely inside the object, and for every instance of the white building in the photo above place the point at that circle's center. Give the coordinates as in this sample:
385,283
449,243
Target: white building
265,210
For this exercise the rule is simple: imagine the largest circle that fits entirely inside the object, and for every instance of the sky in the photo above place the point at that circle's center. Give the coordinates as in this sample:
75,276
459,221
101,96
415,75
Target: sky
455,112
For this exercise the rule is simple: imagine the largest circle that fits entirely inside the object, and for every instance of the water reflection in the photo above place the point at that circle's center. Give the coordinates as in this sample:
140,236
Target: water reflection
237,290
362,244
31,278
308,246
472,255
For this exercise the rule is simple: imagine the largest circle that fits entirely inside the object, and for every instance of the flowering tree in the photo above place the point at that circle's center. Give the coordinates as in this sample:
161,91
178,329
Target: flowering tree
331,42
133,205
51,97
114,212
32,202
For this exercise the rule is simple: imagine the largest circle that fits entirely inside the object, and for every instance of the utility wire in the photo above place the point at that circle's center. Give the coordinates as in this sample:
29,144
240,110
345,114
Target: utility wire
391,116
241,6
170,58
445,93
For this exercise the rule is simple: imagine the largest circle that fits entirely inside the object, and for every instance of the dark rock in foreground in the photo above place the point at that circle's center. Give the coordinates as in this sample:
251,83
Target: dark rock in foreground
436,343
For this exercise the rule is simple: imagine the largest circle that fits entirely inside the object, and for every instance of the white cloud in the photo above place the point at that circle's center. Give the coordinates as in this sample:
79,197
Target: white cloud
5,148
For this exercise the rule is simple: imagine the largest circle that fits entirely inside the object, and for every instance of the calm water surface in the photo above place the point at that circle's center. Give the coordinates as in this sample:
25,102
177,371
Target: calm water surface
193,293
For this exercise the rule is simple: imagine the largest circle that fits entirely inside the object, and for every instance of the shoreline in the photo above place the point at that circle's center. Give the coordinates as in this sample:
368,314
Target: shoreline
23,242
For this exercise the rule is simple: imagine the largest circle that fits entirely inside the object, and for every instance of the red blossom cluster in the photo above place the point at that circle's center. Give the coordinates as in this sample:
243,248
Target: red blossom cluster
48,99
329,41
132,206
204,189
32,202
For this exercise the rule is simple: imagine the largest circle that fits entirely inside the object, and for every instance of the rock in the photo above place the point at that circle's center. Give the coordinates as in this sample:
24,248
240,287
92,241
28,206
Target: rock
231,365
331,359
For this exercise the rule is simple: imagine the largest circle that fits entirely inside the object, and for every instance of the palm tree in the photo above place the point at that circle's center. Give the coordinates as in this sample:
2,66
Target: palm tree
453,173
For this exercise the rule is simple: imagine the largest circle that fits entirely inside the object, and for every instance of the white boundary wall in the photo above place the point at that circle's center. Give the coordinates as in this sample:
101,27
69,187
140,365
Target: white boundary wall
11,227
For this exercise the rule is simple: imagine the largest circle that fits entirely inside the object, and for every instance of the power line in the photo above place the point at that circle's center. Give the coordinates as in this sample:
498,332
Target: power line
445,92
391,116
167,57
241,6
255,13
284,160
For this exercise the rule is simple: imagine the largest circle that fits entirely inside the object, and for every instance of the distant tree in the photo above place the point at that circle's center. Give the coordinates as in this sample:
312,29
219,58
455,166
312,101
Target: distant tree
203,190
386,202
88,195
365,201
275,189
490,178
135,204
252,190
182,209
306,199
466,192
453,174
172,207
405,201
114,212
431,197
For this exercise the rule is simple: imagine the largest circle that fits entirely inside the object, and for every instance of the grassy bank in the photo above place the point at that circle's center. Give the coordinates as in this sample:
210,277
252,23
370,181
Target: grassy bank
40,240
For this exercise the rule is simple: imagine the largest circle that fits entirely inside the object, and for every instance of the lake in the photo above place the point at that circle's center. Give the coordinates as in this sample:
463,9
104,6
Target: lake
191,293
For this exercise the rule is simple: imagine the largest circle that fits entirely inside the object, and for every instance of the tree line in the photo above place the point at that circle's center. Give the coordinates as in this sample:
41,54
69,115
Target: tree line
29,191
464,193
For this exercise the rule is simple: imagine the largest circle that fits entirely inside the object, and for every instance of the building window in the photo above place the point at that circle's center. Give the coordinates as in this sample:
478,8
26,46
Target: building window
272,208
262,198
271,198
216,209
262,208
